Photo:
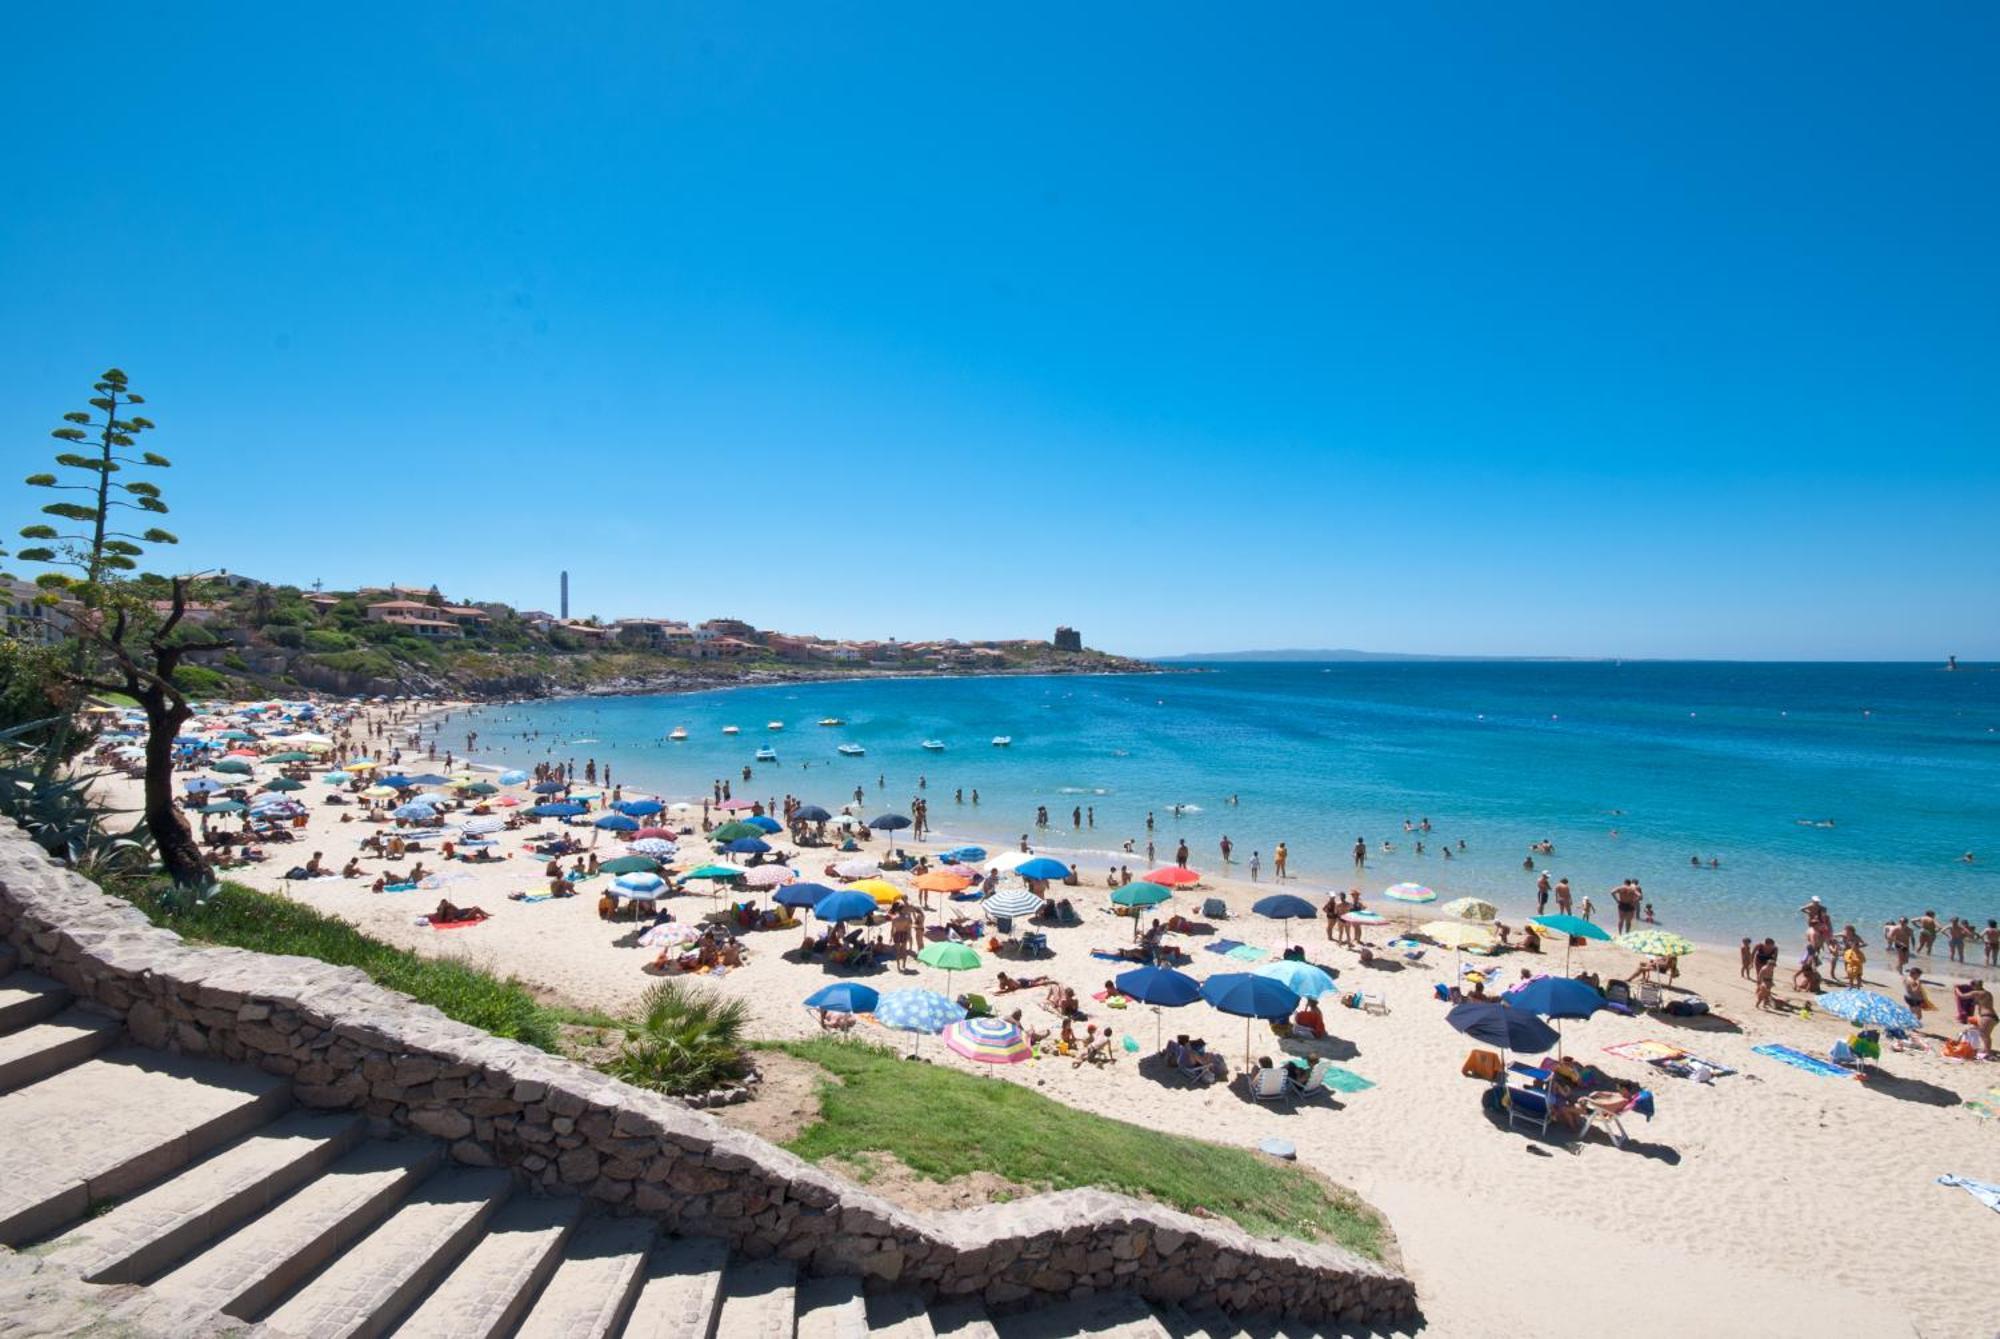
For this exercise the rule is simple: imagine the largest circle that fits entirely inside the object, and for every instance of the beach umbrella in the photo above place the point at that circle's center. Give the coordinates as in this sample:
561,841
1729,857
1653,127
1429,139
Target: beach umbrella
1007,863
508,801
1158,987
398,780
950,957
1659,943
919,1011
1364,917
617,823
1249,996
945,881
990,1041
202,785
845,905
557,809
888,822
845,997
291,755
223,807
428,779
1471,909
433,798
639,885
630,864
548,788
1409,892
1286,908
653,846
477,827
881,890
413,812
482,788
845,821
380,792
1556,997
1457,935
1173,876
720,873
1865,1008
1042,867
964,855
1570,927
857,869
284,783
810,813
802,895
1502,1026
768,876
361,764
1012,902
1140,895
657,834
663,933
744,845
1301,978
512,777
336,778
639,808
236,734
729,832
234,766
736,806
765,824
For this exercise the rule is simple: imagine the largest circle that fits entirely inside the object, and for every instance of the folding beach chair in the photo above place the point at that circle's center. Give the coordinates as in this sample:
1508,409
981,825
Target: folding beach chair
1618,997
1268,1085
1531,1108
1603,1110
1314,1086
1034,943
1650,996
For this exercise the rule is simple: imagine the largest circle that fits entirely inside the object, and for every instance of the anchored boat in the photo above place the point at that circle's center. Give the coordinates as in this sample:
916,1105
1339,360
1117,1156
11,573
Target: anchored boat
679,732
851,750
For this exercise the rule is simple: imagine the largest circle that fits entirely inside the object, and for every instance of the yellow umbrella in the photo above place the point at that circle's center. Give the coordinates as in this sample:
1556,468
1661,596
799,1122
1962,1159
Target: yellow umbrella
380,792
358,766
1470,909
881,890
1454,935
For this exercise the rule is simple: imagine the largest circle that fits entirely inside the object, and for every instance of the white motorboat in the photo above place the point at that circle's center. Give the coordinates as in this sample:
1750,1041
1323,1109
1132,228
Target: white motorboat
731,730
679,732
934,745
774,725
767,755
831,720
1002,741
851,750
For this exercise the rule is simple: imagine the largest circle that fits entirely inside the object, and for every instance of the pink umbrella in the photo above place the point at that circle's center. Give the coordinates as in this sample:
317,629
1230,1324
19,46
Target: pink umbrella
736,806
662,834
769,876
1173,876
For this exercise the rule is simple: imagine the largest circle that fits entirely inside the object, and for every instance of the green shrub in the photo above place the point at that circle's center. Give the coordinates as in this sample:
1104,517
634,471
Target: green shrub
687,1041
281,634
372,663
200,681
326,640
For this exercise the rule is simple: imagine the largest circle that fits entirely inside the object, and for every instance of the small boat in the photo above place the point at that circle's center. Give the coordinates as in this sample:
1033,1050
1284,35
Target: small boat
767,755
831,720
1002,741
934,745
731,730
851,750
774,725
679,732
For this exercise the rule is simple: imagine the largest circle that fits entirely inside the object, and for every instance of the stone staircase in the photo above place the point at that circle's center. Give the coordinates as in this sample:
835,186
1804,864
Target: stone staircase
196,1180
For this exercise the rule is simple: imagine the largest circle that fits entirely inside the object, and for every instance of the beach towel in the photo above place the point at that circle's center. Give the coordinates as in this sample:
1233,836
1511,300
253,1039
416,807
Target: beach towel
1986,1106
1248,953
1986,1192
452,925
1224,946
539,897
399,888
1343,1080
1110,957
1811,1064
1645,1050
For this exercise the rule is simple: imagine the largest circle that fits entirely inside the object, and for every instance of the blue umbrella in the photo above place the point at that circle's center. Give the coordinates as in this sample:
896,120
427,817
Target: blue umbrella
1503,1026
639,808
1556,997
1865,1008
802,895
1013,902
549,787
512,777
618,823
1161,987
1285,907
844,906
811,813
409,812
968,855
641,885
845,997
918,1011
1248,997
747,846
888,822
558,809
429,779
1301,978
763,823
1041,867
397,781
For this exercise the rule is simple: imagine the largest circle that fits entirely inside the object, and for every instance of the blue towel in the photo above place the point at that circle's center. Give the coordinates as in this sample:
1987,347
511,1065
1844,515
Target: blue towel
1224,946
1986,1192
1811,1064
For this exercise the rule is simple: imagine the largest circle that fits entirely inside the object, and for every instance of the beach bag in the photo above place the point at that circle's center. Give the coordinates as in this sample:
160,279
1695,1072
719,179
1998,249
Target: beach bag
1960,1050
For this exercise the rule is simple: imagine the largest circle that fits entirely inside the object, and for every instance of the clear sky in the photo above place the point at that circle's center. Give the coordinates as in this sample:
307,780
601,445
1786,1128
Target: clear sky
1578,329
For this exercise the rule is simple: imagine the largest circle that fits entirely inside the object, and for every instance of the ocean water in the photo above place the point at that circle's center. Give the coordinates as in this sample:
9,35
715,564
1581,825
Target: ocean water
1862,783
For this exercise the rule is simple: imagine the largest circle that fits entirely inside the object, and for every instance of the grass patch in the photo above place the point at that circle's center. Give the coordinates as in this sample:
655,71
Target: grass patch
240,917
942,1124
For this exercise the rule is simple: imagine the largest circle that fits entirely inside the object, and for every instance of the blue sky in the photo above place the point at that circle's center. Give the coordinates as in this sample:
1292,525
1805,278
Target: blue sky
1527,329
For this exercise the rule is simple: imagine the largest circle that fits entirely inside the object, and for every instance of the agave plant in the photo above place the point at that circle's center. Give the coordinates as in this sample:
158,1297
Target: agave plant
687,1041
64,815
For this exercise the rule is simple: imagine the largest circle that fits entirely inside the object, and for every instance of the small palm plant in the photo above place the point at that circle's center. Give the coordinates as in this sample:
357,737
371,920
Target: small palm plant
687,1041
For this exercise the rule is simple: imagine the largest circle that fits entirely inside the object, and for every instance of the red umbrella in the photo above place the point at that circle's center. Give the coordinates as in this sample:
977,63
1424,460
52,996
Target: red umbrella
1173,876
664,834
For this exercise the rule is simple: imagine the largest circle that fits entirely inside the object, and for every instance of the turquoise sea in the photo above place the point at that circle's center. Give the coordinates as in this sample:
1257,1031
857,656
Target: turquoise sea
1863,783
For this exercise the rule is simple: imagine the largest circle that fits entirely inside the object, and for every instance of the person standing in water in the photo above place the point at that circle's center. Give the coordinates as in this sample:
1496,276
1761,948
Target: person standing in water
1360,852
1278,859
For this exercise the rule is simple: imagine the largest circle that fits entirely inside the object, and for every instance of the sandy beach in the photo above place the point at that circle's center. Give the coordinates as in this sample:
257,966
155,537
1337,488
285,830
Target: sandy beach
1771,1202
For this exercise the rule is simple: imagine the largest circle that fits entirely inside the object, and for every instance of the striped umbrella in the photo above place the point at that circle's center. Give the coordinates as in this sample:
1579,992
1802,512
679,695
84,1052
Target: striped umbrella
657,847
1012,902
1409,892
990,1041
1865,1008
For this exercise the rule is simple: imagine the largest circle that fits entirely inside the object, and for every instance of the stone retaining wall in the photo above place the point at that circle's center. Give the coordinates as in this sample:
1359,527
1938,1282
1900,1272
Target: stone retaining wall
348,1044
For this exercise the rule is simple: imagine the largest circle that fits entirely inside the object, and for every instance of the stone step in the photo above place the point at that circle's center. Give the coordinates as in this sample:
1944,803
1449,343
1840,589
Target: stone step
32,1053
758,1301
832,1308
115,1123
593,1289
150,1233
682,1292
245,1273
485,1295
377,1279
962,1320
1105,1316
28,998
899,1315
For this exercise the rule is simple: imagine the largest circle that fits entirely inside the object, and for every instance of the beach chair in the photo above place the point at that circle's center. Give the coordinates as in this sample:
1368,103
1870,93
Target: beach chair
1530,1108
1602,1112
1215,909
1188,1067
1618,998
1373,1004
1268,1085
1314,1086
1034,944
1650,996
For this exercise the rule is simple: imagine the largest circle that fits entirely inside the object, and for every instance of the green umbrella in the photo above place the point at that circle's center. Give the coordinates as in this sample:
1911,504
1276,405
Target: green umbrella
730,832
284,783
224,807
949,956
716,872
293,756
1140,895
482,788
630,864
236,765
1570,927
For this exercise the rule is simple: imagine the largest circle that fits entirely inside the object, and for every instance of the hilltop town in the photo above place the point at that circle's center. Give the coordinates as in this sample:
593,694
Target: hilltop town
409,639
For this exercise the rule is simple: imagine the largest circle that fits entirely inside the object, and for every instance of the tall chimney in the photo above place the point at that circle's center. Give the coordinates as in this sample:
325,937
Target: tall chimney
565,597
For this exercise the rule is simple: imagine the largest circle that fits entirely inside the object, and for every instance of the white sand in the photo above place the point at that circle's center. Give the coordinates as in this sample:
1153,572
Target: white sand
1772,1203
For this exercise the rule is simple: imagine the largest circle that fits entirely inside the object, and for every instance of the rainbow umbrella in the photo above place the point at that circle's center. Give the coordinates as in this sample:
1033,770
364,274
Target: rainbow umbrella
990,1041
1409,892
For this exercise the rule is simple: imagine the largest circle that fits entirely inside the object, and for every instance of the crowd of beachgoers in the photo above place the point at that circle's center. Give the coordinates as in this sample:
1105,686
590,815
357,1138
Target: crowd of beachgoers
1339,1022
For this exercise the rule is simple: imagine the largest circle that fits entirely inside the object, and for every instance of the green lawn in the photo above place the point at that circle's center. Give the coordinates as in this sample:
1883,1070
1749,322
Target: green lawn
245,918
943,1123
